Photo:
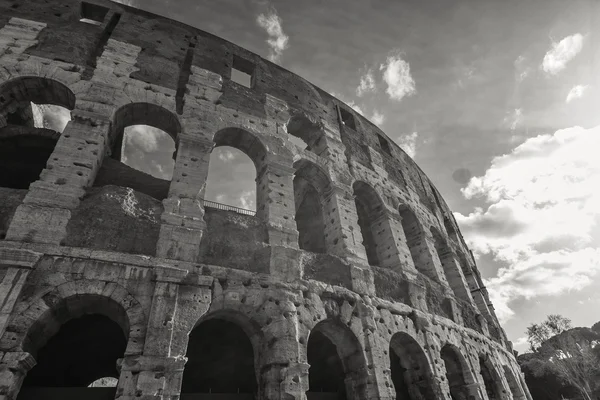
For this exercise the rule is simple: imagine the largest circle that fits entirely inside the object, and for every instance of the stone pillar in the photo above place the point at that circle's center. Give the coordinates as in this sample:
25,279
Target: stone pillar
15,266
342,232
283,366
275,197
71,168
157,373
455,277
392,251
432,263
377,375
149,377
183,218
13,369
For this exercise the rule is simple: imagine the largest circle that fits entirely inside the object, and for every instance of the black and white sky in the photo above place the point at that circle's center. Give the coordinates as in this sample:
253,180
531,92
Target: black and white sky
497,101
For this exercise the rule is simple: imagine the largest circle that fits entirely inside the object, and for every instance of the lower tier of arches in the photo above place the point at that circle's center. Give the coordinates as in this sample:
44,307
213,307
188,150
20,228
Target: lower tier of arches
109,325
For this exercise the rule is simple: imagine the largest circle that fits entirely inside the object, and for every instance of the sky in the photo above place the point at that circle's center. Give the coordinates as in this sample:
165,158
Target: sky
497,101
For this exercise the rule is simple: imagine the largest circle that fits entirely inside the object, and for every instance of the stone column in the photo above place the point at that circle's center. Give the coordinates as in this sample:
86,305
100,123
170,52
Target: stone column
455,277
13,369
15,266
149,377
183,218
283,366
342,232
275,195
157,373
71,168
392,250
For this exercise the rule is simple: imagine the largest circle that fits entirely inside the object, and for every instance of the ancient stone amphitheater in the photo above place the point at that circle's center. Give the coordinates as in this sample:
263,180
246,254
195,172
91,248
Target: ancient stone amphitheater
350,281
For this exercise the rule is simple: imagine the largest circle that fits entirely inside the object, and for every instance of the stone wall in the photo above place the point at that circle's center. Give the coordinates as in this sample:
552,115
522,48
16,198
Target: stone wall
91,239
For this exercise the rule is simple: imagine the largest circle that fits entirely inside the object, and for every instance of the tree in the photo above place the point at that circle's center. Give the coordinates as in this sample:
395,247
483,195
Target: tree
539,333
571,354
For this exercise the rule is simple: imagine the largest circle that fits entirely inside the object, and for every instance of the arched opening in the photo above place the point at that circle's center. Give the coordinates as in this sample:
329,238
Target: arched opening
143,142
415,240
306,133
490,379
83,350
410,371
220,360
449,265
33,113
36,111
231,179
369,208
310,185
337,365
515,388
107,381
454,362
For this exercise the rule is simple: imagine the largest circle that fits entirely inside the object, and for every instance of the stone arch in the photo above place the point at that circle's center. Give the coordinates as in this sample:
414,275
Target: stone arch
369,208
23,90
24,149
416,242
30,328
220,326
308,130
245,141
450,267
411,371
491,379
311,186
332,336
457,372
141,114
513,384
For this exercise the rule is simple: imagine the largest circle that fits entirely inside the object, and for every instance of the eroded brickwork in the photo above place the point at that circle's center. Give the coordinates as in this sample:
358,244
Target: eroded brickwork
350,281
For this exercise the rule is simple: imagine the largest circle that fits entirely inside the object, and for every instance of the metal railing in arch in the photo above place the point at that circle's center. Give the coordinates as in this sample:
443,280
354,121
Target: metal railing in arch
225,207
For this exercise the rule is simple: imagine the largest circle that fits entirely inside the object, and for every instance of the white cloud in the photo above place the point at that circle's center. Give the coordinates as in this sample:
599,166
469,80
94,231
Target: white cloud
396,74
143,137
514,118
278,41
543,199
377,118
408,143
576,92
367,83
247,200
226,155
561,53
521,70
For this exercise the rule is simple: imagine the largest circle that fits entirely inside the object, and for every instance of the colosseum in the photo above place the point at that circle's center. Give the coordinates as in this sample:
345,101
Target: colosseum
350,281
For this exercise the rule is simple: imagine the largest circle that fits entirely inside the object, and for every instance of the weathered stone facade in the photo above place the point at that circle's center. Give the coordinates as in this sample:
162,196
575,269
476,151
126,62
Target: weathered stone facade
352,277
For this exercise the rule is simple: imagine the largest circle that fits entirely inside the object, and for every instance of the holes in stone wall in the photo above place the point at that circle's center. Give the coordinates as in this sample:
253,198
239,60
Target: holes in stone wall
92,13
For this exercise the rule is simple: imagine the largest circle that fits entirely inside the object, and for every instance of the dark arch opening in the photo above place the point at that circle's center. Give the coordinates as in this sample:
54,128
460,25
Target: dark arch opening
410,370
337,364
454,373
326,373
514,386
310,183
368,208
27,140
220,360
489,380
83,350
415,240
143,140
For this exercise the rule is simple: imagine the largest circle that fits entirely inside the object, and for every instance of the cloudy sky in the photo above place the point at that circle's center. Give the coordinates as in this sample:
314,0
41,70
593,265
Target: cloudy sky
497,101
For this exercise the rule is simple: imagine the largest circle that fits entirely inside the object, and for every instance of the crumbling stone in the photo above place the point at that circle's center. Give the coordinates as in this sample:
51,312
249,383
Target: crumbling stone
345,280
